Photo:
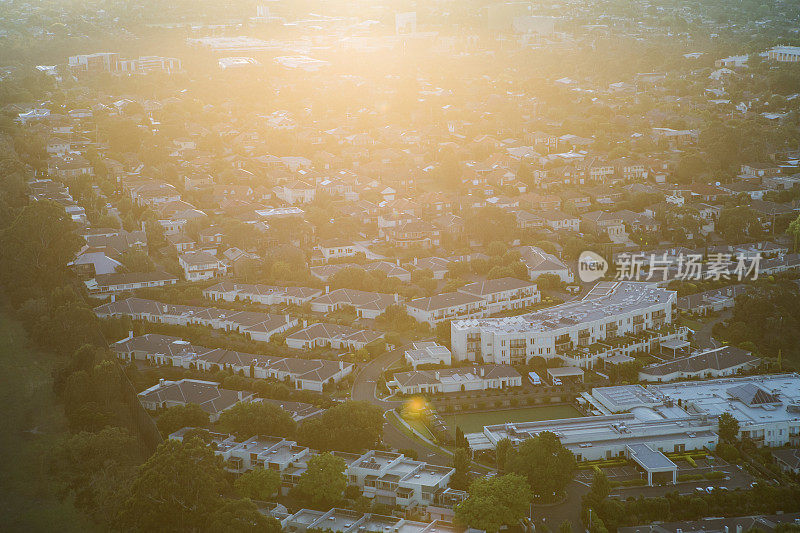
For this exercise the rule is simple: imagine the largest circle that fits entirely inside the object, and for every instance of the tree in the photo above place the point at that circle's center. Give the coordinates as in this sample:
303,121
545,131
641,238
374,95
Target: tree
178,488
494,502
501,453
181,416
728,427
545,462
735,223
96,469
794,231
599,491
324,480
43,242
246,419
242,516
461,463
350,427
258,484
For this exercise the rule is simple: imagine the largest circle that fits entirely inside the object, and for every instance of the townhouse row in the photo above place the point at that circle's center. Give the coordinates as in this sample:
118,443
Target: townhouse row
385,477
303,374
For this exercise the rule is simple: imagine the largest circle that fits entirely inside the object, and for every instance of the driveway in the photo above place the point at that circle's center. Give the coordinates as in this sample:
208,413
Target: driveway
364,389
702,337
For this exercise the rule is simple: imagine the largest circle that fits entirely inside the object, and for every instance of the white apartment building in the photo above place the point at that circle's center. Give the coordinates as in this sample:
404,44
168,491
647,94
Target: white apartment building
613,318
386,477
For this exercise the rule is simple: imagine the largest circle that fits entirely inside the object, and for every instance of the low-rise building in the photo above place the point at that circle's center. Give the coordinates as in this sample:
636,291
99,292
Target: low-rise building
320,335
257,326
303,374
198,266
504,294
446,306
717,362
104,284
461,379
385,477
711,301
211,398
262,294
540,262
366,304
427,353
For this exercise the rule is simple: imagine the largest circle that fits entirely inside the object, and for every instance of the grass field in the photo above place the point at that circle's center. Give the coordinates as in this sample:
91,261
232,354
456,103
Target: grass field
474,422
32,422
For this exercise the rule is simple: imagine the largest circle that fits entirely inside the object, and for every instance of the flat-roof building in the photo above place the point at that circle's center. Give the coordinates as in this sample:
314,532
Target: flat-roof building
613,318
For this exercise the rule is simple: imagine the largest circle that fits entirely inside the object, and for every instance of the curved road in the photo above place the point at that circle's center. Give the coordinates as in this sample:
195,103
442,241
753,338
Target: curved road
364,389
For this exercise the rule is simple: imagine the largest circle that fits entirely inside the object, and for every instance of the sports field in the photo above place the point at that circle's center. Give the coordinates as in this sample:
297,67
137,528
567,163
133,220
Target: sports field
474,422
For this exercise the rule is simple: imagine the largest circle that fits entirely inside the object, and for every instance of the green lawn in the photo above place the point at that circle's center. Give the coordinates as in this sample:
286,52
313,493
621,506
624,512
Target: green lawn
32,422
474,422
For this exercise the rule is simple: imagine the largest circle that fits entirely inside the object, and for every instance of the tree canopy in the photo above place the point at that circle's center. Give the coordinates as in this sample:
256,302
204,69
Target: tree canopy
495,502
545,462
246,419
324,481
350,427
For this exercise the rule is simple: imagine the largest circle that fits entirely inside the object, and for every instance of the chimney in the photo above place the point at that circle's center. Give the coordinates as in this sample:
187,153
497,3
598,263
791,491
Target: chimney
398,262
415,261
305,323
483,370
396,298
113,298
130,335
327,289
160,382
437,374
341,365
241,395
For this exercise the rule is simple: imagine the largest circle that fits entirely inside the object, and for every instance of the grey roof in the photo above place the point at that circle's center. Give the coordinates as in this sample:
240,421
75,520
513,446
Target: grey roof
490,286
207,394
716,525
105,280
715,359
649,458
443,301
752,394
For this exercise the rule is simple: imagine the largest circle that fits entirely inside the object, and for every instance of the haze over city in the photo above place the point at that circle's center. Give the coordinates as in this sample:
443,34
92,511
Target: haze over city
406,266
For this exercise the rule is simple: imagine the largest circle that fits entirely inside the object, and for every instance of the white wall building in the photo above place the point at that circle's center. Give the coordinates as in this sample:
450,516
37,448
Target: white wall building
580,332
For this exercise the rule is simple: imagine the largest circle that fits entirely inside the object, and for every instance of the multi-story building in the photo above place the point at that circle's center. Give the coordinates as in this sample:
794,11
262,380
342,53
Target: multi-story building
385,477
613,318
198,266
